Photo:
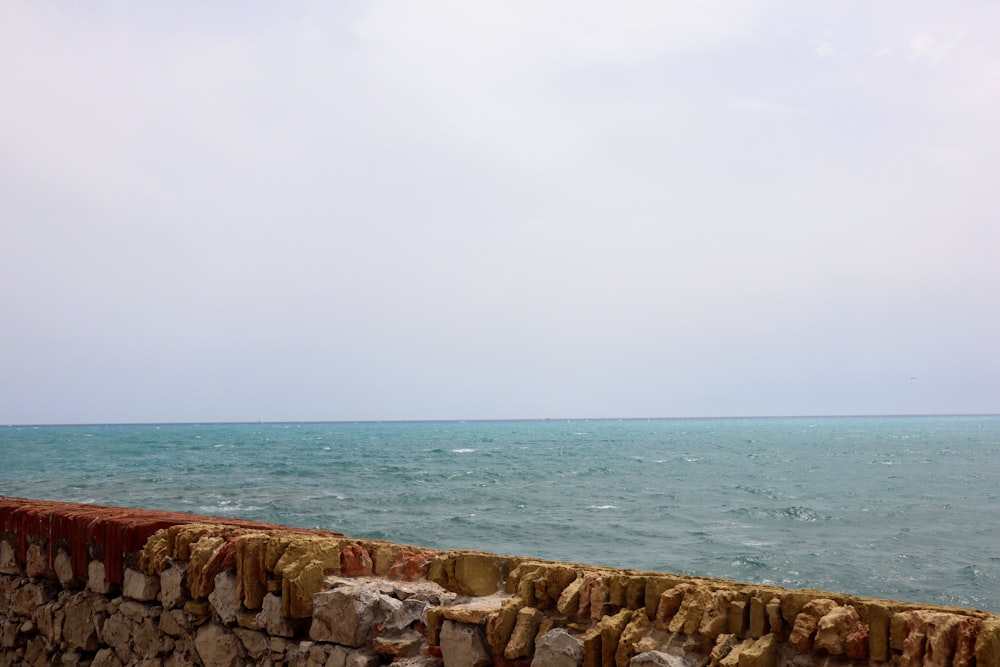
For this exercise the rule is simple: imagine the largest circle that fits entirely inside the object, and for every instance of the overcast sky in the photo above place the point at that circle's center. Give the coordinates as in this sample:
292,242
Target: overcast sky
520,209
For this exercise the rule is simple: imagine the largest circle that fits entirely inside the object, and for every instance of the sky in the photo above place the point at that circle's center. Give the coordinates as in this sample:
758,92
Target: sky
242,211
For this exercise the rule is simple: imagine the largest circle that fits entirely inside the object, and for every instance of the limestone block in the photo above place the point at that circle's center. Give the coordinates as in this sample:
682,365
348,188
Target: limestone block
106,658
611,628
988,644
724,643
254,642
79,630
879,616
638,627
355,561
174,623
464,645
405,646
97,580
478,574
762,653
593,595
806,622
341,656
139,586
692,610
146,638
775,621
656,659
965,643
833,628
738,617
715,620
732,658
173,585
8,559
670,603
592,653
62,565
223,598
116,632
218,648
475,611
500,624
36,562
569,599
522,640
558,648
346,615
405,614
25,599
383,558
270,618
298,585
205,562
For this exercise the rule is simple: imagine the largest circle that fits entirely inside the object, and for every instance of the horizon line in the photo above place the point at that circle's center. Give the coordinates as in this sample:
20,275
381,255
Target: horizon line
496,419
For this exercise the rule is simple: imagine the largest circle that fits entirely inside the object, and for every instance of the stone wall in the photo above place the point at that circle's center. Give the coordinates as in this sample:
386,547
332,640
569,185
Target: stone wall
102,586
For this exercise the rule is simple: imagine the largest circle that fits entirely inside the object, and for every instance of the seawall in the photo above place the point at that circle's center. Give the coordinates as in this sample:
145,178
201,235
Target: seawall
105,586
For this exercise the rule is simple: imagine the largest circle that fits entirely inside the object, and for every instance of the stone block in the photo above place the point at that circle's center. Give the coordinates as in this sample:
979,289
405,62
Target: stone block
569,599
715,620
522,640
62,565
500,624
806,623
879,616
79,630
611,628
693,608
638,628
218,648
478,574
355,561
464,645
347,615
97,579
656,659
106,658
762,653
139,586
25,599
341,656
255,643
558,648
8,559
173,585
833,628
223,597
987,648
592,648
271,619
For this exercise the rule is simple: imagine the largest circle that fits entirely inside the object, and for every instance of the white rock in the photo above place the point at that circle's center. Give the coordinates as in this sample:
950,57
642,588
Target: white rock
464,645
218,648
224,599
97,580
140,586
558,648
656,659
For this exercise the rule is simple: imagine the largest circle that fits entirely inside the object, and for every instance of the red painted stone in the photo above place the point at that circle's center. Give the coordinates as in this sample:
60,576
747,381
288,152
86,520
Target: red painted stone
96,531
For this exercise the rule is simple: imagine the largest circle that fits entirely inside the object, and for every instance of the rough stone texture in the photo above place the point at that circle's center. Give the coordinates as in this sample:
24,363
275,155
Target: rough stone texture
762,653
806,623
522,639
464,645
558,648
218,648
97,579
139,586
223,598
173,585
656,659
638,627
834,627
346,615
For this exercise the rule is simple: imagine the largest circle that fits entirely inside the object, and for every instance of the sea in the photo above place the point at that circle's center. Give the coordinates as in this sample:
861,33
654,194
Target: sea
903,508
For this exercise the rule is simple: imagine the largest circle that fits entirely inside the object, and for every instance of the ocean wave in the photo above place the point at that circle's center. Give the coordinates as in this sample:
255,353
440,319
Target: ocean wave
464,450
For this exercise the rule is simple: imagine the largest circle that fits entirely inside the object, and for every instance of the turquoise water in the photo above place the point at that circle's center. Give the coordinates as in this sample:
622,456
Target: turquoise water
899,507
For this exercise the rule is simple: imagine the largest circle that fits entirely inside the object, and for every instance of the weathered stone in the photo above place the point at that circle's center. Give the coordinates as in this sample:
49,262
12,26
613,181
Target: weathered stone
223,597
592,648
833,628
724,643
478,574
218,648
398,647
174,623
670,603
254,642
558,648
97,579
612,628
879,616
36,562
464,645
341,656
639,625
522,639
775,621
692,610
106,658
988,644
346,615
715,620
139,586
593,595
806,622
79,631
8,559
500,624
25,599
298,585
355,561
475,611
569,599
62,566
173,585
271,619
732,657
762,653
145,638
656,659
